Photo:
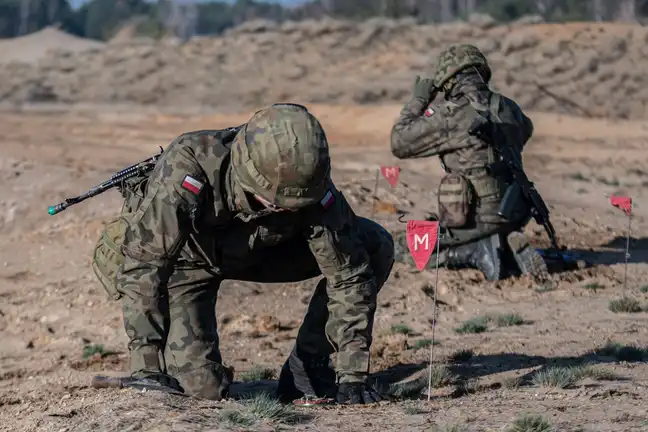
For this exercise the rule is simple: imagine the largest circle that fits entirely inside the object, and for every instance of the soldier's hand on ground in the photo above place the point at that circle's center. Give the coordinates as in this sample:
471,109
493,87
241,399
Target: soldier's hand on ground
357,393
423,88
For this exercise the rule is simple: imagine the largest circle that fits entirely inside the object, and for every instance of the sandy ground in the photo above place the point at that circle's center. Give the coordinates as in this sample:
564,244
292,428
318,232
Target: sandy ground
51,306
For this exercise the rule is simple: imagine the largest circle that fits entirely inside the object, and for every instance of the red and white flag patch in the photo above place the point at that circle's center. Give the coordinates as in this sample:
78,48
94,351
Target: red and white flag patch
192,185
328,200
429,112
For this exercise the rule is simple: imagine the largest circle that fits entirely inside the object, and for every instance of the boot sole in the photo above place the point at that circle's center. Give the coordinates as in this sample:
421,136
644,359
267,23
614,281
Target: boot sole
527,258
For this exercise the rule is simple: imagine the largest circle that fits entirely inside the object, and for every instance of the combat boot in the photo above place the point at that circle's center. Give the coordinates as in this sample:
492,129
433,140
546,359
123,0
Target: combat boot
529,261
483,255
307,377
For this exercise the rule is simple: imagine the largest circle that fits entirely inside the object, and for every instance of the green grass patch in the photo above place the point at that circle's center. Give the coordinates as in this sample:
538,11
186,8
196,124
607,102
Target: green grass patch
644,289
555,377
625,305
530,423
508,320
594,286
96,350
473,325
266,408
401,329
236,418
257,374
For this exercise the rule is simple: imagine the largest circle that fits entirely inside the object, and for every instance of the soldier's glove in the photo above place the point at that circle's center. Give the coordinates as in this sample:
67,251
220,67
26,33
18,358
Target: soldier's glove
357,393
424,88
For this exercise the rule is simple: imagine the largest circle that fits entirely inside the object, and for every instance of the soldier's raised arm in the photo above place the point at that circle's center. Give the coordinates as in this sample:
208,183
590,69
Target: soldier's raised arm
421,130
157,233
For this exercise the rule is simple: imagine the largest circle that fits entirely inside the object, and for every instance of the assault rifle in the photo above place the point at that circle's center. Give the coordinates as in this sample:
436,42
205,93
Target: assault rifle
509,165
116,180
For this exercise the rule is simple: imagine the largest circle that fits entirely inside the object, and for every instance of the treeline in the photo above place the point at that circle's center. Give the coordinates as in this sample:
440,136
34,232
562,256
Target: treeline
101,19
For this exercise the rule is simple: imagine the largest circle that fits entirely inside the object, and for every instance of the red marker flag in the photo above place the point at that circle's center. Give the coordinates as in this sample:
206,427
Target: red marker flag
391,174
421,240
622,202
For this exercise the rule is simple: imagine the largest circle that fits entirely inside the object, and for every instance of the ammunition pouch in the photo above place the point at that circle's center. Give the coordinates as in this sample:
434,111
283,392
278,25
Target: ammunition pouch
456,200
108,258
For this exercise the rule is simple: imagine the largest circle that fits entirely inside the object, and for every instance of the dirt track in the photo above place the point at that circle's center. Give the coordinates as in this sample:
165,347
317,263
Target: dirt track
52,306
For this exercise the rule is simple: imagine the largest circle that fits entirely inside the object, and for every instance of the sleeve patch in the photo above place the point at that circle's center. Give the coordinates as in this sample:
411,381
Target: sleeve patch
328,200
429,112
192,185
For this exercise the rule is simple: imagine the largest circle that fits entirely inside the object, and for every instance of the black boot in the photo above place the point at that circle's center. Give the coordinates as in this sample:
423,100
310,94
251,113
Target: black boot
307,377
483,255
529,261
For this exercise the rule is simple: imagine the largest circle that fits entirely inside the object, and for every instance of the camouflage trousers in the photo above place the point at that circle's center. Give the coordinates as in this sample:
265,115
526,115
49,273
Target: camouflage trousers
191,351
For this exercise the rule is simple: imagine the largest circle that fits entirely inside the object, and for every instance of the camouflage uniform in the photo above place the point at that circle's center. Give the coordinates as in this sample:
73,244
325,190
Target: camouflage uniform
197,222
469,194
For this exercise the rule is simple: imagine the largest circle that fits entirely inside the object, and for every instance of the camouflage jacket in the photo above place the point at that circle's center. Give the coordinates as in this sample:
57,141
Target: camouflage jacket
192,212
442,129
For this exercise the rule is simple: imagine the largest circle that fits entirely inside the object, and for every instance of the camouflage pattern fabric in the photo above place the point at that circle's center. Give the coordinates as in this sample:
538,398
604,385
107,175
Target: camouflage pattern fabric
197,225
284,174
426,129
457,58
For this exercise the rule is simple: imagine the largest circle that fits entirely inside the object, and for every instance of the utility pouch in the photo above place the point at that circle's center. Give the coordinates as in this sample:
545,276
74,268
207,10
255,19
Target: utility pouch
108,257
456,201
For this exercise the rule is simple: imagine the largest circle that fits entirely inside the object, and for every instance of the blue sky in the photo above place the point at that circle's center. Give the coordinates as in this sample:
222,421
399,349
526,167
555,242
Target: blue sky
77,3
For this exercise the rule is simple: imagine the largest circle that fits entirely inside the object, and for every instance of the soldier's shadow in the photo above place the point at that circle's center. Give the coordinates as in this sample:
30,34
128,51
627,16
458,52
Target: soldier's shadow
411,379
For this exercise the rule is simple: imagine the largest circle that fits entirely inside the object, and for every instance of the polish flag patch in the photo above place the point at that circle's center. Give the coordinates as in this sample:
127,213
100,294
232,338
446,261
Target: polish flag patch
192,185
429,112
328,200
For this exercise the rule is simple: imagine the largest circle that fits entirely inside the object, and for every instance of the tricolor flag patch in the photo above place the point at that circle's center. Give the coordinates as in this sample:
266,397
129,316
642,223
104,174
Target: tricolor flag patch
429,112
328,200
192,185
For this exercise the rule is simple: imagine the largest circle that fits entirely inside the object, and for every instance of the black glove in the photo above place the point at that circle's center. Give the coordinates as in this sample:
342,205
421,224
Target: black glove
424,88
357,393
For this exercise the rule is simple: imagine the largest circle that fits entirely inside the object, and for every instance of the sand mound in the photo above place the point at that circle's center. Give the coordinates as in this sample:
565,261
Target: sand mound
586,69
35,46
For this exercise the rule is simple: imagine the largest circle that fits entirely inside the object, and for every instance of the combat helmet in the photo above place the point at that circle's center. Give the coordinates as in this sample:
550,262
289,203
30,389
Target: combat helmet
281,154
457,58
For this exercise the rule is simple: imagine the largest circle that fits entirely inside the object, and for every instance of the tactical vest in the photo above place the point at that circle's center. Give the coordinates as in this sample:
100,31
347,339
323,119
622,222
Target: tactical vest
483,192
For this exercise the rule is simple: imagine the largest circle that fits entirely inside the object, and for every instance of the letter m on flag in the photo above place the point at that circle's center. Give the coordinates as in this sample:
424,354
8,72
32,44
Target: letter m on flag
422,237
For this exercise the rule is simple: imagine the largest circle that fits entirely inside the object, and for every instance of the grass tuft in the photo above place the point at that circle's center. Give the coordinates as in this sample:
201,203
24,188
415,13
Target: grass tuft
236,418
413,410
461,356
401,329
628,353
473,325
441,376
596,373
556,377
257,374
265,407
644,289
530,423
508,320
94,350
625,305
594,286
